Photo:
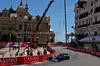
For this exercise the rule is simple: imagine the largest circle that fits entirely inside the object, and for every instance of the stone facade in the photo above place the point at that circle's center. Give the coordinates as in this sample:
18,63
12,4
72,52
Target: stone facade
87,17
26,23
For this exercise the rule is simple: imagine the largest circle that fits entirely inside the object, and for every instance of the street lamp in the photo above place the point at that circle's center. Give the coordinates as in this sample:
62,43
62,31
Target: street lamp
19,43
10,43
93,43
47,40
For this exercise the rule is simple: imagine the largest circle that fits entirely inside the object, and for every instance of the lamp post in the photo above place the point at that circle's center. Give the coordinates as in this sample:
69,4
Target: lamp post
47,40
93,44
10,43
19,43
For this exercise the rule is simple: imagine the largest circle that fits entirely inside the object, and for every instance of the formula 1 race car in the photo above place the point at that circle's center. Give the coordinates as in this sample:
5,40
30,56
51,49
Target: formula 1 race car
60,57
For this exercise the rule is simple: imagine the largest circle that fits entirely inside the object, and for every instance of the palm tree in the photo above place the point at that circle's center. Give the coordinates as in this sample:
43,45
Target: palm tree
68,38
71,34
9,30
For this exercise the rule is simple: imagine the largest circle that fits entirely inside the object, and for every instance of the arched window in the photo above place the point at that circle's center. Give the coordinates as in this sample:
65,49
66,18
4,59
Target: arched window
95,33
20,15
29,18
91,3
37,19
5,14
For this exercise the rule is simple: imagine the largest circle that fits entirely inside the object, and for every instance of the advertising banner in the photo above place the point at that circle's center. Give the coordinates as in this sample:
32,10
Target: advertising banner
27,60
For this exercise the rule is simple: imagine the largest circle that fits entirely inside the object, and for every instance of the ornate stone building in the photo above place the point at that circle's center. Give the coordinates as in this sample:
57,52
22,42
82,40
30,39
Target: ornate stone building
26,23
87,17
87,23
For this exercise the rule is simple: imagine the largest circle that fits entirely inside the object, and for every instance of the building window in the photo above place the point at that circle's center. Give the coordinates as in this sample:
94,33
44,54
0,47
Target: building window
91,11
97,9
96,0
37,38
83,22
77,11
79,23
37,19
20,27
95,19
95,33
28,39
86,21
91,3
91,20
20,15
29,27
29,18
51,40
5,14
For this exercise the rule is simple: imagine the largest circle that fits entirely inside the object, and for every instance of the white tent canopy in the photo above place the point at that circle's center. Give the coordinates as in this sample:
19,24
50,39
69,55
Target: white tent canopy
90,39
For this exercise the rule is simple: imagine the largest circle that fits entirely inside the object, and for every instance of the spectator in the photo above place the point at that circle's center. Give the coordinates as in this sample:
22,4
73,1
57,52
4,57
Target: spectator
45,52
48,48
51,51
38,53
31,54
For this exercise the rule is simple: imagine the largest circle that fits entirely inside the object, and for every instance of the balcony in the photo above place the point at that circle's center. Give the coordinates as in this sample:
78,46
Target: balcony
83,15
85,25
97,22
97,9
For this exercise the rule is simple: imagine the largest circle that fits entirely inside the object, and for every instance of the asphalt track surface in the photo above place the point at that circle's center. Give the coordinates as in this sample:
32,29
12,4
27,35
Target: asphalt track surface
76,59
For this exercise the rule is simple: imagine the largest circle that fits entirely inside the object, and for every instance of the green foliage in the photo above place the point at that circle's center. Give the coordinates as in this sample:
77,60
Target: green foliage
59,43
0,14
9,29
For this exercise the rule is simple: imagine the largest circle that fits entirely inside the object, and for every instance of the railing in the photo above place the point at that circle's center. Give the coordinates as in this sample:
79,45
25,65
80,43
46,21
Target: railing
97,22
83,15
84,25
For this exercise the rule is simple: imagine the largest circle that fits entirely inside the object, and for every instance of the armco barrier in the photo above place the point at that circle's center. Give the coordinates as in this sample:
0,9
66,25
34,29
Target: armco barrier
85,51
27,60
97,53
88,51
93,53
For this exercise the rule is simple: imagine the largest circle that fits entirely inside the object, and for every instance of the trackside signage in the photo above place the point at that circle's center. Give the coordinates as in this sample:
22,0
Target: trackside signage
24,59
31,58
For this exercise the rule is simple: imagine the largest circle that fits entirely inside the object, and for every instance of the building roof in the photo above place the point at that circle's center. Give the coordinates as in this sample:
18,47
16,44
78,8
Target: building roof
91,39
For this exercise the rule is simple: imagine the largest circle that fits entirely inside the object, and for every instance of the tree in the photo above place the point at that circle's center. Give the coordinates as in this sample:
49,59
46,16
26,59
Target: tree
59,43
71,34
9,29
68,38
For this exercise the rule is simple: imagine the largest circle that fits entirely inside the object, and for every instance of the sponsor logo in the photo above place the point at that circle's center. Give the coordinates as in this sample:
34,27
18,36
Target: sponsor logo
8,60
31,58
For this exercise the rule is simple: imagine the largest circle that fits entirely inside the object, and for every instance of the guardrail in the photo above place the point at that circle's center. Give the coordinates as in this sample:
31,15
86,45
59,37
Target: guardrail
85,51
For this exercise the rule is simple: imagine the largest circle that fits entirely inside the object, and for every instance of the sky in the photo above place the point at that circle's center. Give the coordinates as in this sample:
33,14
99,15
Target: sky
56,13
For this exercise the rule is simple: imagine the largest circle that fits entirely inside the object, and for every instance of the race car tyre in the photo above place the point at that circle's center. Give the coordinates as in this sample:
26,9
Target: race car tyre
68,57
50,58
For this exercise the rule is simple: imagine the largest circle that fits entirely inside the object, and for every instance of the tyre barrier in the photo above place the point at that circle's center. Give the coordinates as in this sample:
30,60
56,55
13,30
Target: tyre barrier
26,60
85,51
